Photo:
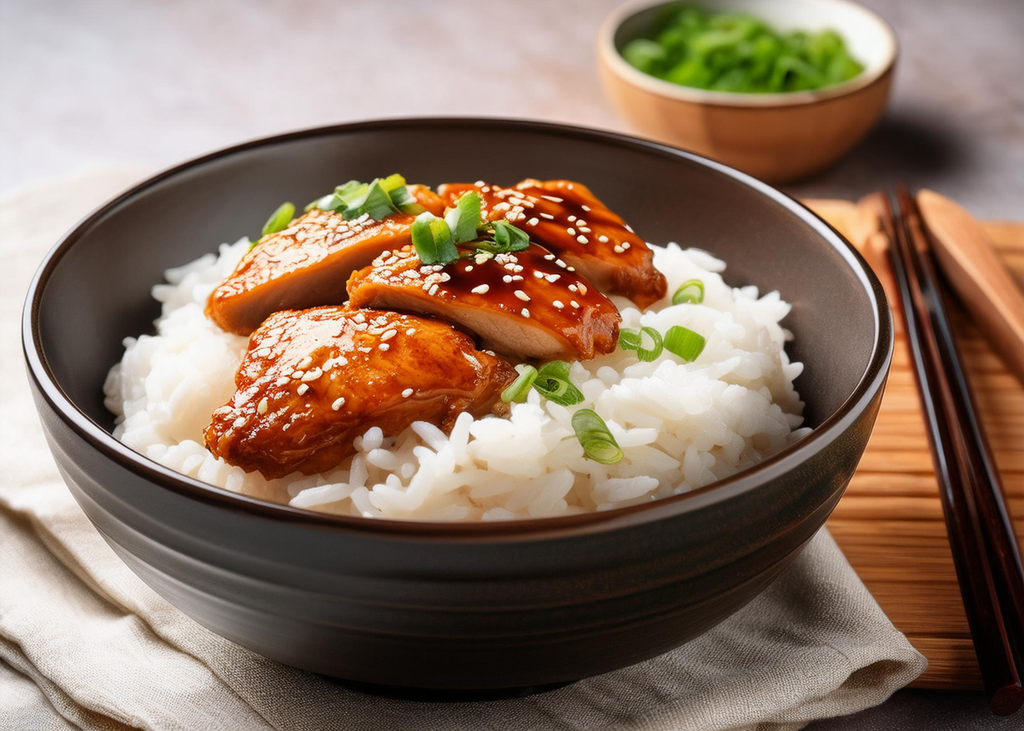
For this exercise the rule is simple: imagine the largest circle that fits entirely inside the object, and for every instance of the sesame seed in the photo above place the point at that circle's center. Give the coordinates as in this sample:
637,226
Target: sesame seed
571,231
522,295
583,287
261,407
407,393
628,228
481,289
547,216
558,304
338,403
552,277
618,249
585,208
552,198
549,257
384,346
432,290
507,278
239,422
312,375
570,269
572,218
603,239
582,239
539,275
625,244
388,335
574,303
410,332
297,374
526,312
560,263
469,268
303,387
533,221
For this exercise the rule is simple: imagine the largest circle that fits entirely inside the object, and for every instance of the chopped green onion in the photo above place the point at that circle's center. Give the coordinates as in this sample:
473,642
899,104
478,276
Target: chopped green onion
509,238
517,390
464,219
377,199
598,443
737,52
633,340
553,384
690,293
684,342
330,202
401,198
433,240
393,182
374,202
279,219
404,201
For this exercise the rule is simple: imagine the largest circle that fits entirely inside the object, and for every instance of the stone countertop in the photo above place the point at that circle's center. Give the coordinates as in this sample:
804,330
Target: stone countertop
120,82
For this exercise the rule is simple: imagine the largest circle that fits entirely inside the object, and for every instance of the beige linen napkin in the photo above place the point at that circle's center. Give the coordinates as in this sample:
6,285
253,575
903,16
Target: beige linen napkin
84,643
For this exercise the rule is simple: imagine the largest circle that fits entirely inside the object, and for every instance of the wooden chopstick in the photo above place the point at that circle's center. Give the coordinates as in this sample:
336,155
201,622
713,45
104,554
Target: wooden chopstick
969,489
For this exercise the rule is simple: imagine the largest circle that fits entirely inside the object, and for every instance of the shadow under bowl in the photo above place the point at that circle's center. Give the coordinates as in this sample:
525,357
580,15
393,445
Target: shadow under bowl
455,606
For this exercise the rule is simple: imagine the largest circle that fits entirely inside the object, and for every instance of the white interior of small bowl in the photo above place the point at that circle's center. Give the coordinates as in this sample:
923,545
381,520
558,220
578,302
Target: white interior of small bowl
869,39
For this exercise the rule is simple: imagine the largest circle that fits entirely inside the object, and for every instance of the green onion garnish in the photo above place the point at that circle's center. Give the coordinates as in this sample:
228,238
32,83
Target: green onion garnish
689,293
377,199
374,202
433,240
464,219
517,390
553,384
633,340
598,443
404,201
684,342
278,221
509,238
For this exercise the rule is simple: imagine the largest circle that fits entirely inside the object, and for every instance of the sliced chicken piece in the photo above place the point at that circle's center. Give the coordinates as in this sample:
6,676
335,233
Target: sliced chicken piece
313,380
566,218
528,304
307,264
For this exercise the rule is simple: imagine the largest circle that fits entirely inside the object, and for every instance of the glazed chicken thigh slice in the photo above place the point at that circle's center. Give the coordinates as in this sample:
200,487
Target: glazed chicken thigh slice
527,304
569,220
313,380
307,264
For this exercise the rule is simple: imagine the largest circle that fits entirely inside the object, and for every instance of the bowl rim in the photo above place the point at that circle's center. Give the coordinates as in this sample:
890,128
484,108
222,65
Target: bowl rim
618,65
102,441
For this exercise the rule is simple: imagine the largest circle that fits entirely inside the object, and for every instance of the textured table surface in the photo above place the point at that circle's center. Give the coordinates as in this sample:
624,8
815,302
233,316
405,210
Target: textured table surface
84,84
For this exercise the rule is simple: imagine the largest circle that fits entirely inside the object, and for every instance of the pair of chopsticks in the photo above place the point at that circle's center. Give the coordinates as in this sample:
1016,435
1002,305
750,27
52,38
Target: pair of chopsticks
985,552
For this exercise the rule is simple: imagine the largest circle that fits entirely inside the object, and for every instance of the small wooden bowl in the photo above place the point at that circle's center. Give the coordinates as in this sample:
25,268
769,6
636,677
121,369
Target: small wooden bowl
776,137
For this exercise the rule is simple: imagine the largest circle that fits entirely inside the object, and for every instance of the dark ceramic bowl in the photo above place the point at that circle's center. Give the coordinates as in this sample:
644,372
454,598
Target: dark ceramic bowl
455,606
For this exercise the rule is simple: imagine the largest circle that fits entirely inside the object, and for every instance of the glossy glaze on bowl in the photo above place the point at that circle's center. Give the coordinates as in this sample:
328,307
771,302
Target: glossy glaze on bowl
457,606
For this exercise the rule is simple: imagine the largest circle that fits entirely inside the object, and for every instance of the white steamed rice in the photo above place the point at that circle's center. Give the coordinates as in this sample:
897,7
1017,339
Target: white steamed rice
680,425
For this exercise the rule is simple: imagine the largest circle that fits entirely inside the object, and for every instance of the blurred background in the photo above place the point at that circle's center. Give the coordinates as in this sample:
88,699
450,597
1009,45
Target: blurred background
104,82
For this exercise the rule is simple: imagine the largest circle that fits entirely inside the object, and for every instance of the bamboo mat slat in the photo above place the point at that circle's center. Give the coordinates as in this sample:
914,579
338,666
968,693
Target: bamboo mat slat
890,523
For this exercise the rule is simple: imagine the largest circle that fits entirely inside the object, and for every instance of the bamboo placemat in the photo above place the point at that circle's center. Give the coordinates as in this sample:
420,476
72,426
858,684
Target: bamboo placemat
889,524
